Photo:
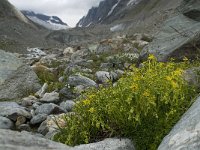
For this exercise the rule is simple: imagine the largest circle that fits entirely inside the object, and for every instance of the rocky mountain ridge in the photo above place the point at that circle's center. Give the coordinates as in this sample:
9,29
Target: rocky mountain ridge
130,14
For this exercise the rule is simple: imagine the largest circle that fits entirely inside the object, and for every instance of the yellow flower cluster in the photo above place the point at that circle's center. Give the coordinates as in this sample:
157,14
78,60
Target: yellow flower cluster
178,72
134,87
146,93
92,110
151,57
86,102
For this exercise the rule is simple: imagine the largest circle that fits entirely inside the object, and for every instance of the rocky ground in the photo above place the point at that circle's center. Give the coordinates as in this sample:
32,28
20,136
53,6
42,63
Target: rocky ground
39,87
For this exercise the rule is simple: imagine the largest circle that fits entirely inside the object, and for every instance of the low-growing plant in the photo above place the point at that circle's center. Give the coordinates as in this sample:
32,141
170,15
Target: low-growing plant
144,105
49,72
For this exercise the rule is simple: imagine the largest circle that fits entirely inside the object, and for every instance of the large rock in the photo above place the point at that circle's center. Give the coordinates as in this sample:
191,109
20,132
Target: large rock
179,35
6,123
108,144
49,109
12,140
185,134
67,93
9,63
52,97
12,111
49,127
67,105
42,91
103,76
76,80
38,119
15,78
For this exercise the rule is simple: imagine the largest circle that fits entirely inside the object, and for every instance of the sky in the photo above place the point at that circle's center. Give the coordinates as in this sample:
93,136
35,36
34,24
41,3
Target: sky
70,11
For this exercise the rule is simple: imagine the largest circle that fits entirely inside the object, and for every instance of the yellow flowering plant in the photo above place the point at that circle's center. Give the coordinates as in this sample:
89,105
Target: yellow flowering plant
144,105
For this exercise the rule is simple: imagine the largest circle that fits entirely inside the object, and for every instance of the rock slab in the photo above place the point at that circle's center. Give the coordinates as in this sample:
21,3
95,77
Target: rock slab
12,140
185,134
16,78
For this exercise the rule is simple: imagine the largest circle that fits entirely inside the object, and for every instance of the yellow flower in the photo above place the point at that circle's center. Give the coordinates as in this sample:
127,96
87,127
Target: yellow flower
134,87
178,72
91,110
146,93
86,102
169,78
91,96
174,84
151,57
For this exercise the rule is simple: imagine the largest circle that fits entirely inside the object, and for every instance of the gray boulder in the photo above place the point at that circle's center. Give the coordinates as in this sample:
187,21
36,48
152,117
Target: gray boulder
108,144
6,123
28,101
67,105
103,76
104,48
13,140
16,78
38,119
49,127
179,35
36,105
52,97
12,111
67,93
42,91
9,63
76,80
79,89
24,127
49,109
185,134
77,56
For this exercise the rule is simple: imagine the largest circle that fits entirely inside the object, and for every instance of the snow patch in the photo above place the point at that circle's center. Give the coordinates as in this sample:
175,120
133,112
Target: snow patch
113,8
89,24
118,27
49,25
133,2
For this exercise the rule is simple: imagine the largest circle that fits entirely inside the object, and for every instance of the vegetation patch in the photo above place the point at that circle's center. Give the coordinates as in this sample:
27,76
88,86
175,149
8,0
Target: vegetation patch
51,78
143,106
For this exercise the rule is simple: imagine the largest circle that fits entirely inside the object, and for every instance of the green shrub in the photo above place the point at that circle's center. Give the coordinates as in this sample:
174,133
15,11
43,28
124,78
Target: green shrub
143,106
51,77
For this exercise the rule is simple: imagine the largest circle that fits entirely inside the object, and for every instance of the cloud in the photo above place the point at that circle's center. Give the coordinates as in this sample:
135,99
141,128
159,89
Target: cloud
70,11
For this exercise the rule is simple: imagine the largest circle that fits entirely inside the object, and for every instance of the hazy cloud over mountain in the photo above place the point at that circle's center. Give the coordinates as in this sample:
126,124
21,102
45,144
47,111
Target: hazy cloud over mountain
69,11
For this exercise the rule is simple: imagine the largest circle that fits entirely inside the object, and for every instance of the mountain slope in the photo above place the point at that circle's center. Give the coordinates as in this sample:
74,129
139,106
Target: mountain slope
130,14
49,22
17,32
106,11
8,10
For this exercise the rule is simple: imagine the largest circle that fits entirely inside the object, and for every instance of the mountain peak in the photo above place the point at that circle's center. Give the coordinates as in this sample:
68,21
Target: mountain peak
49,22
